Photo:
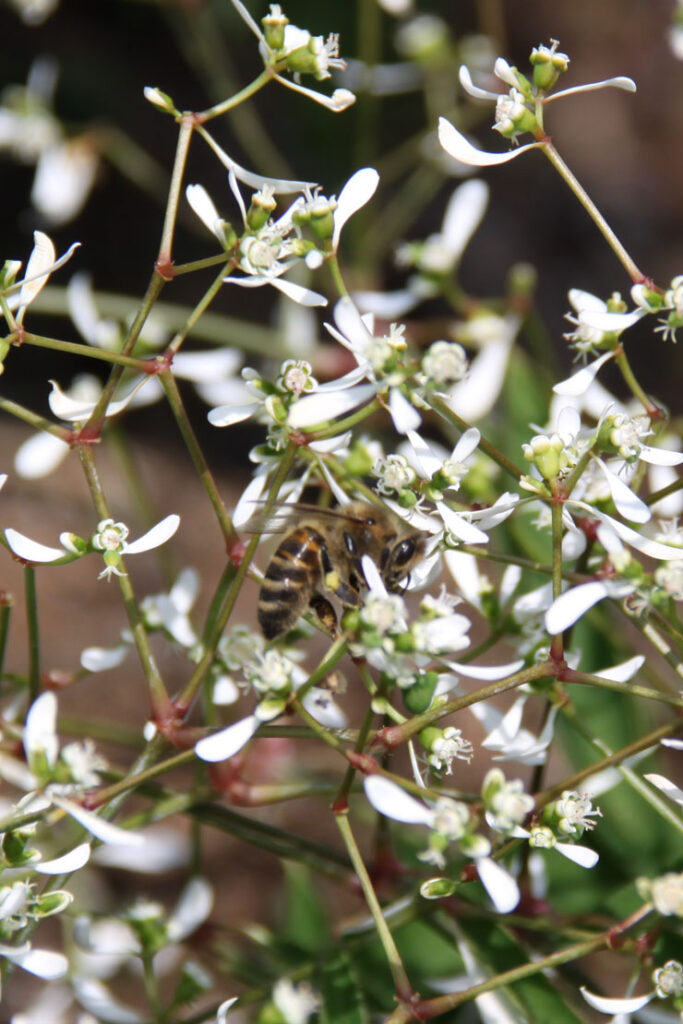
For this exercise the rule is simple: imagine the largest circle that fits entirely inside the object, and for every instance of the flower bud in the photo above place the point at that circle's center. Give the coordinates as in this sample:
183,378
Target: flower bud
547,454
437,888
548,65
262,205
274,27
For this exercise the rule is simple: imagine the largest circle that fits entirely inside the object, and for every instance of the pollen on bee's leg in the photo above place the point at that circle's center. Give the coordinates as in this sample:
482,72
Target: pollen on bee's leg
326,613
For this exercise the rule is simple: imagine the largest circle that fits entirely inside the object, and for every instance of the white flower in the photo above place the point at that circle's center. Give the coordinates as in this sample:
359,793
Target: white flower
41,264
372,354
111,539
508,738
448,821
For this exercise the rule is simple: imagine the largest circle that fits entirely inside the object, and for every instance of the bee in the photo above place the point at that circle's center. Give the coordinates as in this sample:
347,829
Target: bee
323,552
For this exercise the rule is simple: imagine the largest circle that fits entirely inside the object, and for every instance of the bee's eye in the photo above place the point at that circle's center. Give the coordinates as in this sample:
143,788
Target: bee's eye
403,552
350,544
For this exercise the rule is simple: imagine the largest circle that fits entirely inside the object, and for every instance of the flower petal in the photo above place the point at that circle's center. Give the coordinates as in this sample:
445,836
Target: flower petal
460,148
322,407
485,672
100,659
660,456
579,382
619,82
666,786
44,963
226,415
456,524
606,1005
227,742
393,802
158,535
357,191
280,186
30,550
474,90
203,205
580,855
404,415
71,861
624,671
611,323
40,729
295,292
570,606
651,548
38,456
99,827
501,887
193,908
206,366
628,504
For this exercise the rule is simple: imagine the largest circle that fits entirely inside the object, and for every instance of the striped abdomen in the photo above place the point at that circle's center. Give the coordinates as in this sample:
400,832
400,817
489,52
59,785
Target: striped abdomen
294,573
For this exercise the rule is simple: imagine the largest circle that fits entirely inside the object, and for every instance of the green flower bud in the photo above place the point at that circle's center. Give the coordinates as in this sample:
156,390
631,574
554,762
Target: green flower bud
437,888
274,27
418,697
262,205
51,903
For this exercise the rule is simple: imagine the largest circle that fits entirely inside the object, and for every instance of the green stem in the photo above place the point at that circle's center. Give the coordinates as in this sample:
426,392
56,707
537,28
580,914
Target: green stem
185,699
93,427
628,689
651,795
198,311
33,633
398,973
34,421
589,206
429,1008
335,271
165,257
234,101
214,328
633,385
170,386
6,602
140,365
158,696
441,406
574,781
395,735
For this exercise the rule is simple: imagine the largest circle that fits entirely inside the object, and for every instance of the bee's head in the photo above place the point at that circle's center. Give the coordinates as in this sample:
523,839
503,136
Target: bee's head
400,557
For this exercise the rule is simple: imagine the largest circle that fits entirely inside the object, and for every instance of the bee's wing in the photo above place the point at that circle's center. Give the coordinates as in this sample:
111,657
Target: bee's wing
277,517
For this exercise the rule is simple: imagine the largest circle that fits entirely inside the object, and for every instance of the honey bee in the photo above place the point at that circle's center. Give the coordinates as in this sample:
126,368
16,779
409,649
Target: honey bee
323,552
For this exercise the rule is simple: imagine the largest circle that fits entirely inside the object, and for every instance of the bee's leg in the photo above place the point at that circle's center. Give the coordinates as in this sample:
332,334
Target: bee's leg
326,613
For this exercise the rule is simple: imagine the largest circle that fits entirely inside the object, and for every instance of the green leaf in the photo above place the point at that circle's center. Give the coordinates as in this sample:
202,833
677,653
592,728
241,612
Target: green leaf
305,925
342,1000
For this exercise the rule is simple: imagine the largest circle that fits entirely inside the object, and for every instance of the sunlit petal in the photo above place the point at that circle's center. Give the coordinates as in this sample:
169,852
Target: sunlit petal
460,148
320,408
570,606
227,742
30,550
606,1005
393,802
158,535
579,382
72,861
501,887
357,191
